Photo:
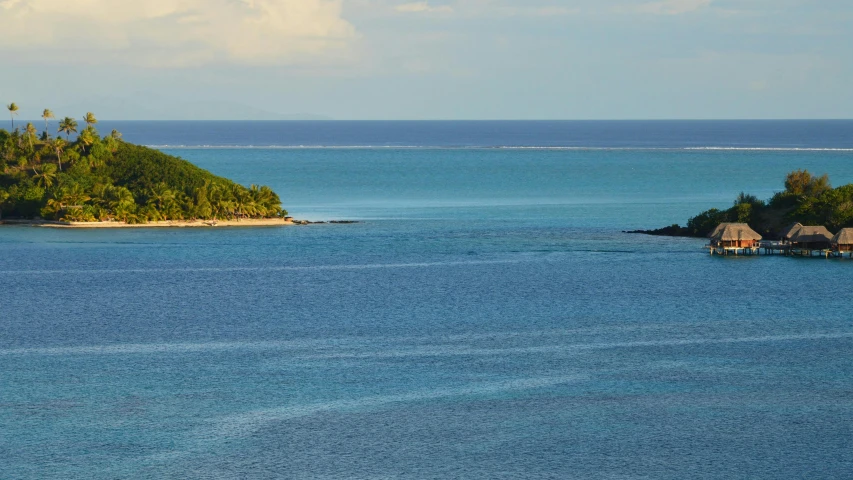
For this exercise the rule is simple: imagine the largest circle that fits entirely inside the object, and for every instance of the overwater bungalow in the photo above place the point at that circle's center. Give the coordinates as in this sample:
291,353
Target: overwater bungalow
734,238
789,231
811,238
842,242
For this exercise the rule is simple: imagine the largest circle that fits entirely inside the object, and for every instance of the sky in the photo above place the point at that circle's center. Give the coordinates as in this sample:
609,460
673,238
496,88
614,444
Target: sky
428,59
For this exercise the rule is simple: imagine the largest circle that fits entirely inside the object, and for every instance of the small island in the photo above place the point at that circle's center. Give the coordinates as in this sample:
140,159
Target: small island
807,199
94,181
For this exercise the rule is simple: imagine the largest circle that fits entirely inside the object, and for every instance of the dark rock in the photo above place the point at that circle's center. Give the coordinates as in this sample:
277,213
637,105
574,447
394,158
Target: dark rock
670,231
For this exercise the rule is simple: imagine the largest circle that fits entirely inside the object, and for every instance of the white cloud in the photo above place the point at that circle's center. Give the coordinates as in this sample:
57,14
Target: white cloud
482,8
419,7
665,7
174,32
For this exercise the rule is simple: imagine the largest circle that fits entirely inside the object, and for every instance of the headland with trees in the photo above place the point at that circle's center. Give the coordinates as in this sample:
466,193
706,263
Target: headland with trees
807,199
103,180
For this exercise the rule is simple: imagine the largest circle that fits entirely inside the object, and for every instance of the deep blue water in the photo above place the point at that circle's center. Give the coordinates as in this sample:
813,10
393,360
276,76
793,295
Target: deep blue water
676,134
486,319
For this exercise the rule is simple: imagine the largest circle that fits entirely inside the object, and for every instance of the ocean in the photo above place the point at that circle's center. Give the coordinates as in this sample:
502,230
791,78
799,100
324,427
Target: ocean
486,318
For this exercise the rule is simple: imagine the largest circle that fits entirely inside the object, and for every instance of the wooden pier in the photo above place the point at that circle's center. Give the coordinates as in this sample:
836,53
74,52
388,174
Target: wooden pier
719,250
771,247
797,240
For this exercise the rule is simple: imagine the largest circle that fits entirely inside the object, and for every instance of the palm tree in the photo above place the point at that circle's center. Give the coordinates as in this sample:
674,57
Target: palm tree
75,195
30,132
46,115
54,201
86,138
58,146
13,110
121,202
241,199
112,141
111,144
90,119
81,214
201,204
67,125
45,175
221,201
113,202
266,201
161,199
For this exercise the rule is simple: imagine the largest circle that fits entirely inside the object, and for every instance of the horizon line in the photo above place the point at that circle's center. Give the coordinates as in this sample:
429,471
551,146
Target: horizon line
332,120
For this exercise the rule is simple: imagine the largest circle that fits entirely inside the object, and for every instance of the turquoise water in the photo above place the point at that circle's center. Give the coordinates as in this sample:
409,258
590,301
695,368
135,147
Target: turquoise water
486,319
583,188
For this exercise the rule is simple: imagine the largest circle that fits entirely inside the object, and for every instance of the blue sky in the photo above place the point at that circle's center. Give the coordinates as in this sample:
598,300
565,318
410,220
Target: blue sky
436,59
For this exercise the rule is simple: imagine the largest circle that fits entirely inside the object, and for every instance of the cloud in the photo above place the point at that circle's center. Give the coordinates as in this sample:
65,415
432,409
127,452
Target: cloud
174,32
665,7
419,7
486,8
547,11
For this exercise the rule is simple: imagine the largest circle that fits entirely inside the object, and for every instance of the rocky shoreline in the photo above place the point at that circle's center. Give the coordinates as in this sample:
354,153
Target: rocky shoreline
670,231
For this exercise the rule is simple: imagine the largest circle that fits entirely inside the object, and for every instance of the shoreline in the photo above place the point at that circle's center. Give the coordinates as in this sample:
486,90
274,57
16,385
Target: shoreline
248,222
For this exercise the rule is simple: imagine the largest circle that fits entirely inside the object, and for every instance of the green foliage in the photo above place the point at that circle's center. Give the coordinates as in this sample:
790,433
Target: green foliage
744,198
742,213
4,195
701,225
99,179
833,208
25,200
806,199
86,138
801,183
141,169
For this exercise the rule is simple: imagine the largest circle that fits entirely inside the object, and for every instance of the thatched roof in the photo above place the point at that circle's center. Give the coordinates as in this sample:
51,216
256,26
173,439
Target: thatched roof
729,232
717,230
812,234
844,237
791,230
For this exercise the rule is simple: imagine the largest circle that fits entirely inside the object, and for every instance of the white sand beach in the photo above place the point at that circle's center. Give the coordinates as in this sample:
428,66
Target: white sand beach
247,222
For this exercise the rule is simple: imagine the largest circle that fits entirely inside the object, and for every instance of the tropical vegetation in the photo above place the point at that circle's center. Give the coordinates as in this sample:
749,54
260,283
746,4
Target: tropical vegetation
807,199
92,178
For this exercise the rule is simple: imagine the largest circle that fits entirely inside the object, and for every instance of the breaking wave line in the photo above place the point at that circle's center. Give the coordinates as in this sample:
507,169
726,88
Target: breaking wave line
417,351
505,147
368,266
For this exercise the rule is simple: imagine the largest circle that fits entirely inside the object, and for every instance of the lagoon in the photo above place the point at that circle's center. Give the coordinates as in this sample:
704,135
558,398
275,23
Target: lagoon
487,318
